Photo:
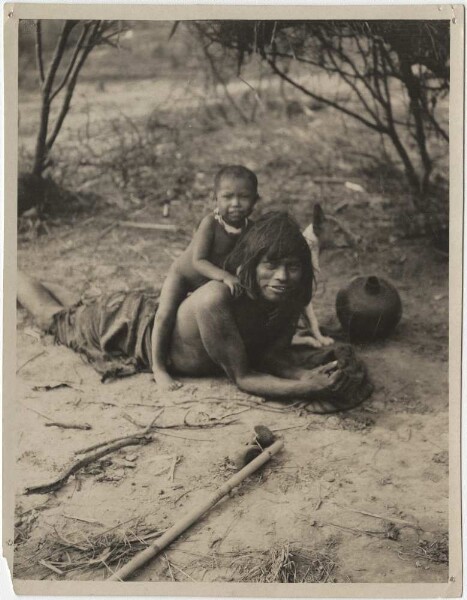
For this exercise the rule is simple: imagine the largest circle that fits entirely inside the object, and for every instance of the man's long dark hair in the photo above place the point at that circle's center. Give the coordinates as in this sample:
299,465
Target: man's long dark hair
275,235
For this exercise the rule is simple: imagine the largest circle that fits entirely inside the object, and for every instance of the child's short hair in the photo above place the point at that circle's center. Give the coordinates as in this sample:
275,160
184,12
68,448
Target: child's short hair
236,171
275,235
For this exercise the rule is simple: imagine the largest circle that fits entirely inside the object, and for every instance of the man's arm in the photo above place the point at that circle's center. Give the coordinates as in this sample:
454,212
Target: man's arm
275,360
223,343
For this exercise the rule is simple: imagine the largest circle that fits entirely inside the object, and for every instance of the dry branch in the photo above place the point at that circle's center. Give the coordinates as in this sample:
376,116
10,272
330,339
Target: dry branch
57,483
84,426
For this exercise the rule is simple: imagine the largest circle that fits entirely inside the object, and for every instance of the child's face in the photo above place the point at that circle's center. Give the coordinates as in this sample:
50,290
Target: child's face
235,197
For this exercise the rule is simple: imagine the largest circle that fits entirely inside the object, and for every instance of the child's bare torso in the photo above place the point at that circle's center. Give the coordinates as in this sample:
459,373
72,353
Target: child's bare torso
221,246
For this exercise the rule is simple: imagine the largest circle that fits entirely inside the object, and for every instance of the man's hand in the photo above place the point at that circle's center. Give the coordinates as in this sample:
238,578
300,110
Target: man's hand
233,284
327,378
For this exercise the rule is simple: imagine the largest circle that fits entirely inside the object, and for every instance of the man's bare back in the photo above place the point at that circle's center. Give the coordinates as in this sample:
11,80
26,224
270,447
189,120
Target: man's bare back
203,322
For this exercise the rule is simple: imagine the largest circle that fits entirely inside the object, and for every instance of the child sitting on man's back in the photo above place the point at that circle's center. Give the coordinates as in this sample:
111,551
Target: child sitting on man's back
235,193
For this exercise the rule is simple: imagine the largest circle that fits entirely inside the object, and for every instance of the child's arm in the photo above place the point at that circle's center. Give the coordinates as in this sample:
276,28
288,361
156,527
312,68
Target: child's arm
203,241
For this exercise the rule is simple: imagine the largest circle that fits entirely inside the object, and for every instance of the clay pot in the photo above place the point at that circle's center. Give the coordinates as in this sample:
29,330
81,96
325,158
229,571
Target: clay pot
369,308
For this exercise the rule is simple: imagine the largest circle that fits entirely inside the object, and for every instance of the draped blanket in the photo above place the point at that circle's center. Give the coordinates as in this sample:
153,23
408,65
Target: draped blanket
113,332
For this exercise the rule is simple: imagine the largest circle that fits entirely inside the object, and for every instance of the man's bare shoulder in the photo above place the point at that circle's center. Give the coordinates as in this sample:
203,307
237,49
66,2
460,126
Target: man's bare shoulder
211,294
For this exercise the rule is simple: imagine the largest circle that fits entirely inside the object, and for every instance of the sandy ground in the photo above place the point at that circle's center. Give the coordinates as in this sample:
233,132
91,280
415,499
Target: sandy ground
387,457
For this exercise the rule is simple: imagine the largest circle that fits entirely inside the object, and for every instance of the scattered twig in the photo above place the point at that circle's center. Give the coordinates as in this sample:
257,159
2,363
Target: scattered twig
163,470
251,403
46,564
30,360
100,444
183,572
184,494
287,428
85,426
48,388
222,400
320,500
152,423
156,226
382,517
175,435
123,437
176,460
237,412
184,437
93,521
169,567
213,422
132,421
186,425
104,402
36,411
61,479
355,531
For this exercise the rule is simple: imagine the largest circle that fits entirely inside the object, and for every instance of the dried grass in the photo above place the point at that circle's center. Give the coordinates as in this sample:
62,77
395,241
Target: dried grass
435,551
107,549
285,564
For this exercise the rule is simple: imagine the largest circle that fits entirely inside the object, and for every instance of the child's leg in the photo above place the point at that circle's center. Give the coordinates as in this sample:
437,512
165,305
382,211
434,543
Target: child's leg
318,340
37,300
314,326
173,293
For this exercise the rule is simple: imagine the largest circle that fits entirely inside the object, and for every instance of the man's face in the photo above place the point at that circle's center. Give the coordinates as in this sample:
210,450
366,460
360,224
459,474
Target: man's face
277,279
236,197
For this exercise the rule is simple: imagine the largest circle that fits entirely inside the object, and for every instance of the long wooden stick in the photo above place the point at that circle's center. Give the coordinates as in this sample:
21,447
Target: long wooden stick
171,534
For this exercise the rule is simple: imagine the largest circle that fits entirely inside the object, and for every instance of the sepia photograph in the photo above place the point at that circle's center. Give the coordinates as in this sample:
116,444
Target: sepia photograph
233,250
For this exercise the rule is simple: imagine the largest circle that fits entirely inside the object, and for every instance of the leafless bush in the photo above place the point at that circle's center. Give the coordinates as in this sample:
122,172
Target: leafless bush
390,76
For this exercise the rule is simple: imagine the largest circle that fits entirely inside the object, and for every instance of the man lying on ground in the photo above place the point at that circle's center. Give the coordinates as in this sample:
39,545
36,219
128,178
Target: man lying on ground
247,337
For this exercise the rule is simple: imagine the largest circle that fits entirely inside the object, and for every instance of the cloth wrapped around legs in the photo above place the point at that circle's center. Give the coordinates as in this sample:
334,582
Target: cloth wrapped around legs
112,331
